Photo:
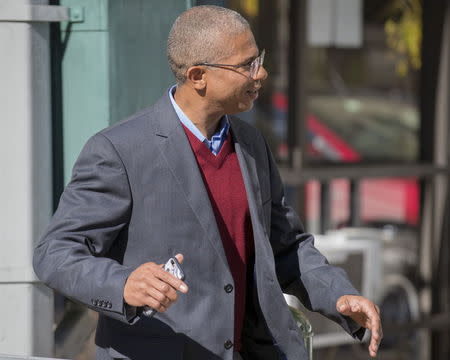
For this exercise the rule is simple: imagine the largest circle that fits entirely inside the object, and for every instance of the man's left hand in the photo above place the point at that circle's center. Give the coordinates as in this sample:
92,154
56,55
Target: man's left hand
365,313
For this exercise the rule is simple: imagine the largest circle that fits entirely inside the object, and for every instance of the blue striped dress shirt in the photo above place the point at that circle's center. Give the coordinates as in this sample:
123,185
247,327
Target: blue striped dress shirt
217,140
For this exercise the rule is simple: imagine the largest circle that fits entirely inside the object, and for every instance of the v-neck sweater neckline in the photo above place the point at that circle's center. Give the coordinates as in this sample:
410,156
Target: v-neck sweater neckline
206,154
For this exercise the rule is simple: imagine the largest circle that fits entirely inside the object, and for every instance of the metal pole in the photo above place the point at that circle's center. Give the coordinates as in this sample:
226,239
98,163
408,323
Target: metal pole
355,203
325,208
440,345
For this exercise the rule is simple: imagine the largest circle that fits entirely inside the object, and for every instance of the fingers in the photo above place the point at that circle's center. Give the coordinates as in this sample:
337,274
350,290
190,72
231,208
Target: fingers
171,280
348,304
163,292
150,285
161,297
376,329
156,304
373,321
375,341
365,313
180,258
343,305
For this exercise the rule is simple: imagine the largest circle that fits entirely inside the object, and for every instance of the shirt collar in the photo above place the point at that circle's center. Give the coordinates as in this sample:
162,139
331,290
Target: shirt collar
221,133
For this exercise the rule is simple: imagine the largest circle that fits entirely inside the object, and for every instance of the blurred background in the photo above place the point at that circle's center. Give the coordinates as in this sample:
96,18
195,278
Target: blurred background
356,111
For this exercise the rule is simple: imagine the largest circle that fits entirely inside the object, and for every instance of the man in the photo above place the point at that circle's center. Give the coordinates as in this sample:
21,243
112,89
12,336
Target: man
185,177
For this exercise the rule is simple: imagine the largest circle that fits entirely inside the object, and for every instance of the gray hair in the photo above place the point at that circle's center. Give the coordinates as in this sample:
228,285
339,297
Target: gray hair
196,37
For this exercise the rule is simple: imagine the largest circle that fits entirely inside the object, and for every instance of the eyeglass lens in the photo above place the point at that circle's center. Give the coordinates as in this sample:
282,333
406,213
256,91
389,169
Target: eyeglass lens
256,64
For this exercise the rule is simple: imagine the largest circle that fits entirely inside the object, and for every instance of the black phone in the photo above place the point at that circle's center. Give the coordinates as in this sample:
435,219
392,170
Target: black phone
171,266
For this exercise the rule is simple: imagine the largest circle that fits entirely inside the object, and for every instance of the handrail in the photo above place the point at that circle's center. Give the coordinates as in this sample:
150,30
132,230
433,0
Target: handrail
293,176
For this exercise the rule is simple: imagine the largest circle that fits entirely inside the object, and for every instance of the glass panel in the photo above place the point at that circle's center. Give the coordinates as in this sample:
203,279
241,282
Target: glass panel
362,95
383,201
390,201
339,204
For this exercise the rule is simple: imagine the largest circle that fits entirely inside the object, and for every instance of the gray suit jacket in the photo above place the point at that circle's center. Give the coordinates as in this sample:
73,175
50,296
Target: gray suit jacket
136,195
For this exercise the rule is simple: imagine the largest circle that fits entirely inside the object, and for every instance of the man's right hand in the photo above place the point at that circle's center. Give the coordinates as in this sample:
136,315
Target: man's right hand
150,285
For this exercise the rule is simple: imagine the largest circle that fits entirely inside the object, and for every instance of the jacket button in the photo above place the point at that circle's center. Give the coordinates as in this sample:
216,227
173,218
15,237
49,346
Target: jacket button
109,305
228,344
228,288
95,302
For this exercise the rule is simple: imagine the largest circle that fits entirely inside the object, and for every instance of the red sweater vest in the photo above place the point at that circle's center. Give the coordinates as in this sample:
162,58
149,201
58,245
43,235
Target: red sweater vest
223,180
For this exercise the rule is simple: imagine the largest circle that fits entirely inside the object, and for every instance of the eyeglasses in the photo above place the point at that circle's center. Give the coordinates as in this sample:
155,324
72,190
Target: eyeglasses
252,66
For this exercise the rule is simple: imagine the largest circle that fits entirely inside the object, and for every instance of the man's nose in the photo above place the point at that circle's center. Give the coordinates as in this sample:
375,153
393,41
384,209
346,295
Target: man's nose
262,74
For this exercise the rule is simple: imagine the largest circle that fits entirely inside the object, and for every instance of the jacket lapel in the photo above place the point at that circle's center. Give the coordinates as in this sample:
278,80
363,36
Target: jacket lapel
176,150
247,161
246,156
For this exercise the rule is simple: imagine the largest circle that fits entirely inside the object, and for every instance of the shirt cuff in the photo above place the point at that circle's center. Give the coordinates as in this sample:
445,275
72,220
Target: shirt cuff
129,311
359,334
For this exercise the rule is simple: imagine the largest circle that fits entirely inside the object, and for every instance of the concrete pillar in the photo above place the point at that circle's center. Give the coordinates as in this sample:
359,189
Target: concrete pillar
26,306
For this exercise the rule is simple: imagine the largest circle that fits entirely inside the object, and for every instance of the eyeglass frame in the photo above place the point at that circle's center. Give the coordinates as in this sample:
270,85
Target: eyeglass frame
256,62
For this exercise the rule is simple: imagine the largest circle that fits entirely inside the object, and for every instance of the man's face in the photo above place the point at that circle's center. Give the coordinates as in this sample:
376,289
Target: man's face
232,90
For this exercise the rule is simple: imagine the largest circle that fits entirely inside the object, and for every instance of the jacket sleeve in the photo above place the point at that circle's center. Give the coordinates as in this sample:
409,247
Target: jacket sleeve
301,269
73,255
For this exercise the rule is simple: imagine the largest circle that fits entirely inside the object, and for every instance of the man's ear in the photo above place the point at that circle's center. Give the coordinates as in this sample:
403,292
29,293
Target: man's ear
196,75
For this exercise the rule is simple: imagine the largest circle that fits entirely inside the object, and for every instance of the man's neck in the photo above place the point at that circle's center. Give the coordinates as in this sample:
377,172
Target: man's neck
201,115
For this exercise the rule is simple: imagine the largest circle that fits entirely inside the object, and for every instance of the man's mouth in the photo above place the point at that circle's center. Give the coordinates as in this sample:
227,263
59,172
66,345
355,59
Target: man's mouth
253,93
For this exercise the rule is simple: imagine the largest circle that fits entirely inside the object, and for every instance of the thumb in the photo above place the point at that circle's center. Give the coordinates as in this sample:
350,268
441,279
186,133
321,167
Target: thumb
180,258
344,307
